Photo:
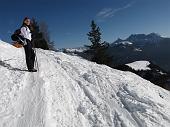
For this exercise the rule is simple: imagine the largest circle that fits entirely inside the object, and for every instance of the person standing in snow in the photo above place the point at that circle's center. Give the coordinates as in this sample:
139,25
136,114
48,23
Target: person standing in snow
25,32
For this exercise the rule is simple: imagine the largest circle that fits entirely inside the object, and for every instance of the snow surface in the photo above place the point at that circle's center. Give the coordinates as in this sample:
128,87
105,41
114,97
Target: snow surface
162,73
73,50
125,43
69,91
139,65
138,50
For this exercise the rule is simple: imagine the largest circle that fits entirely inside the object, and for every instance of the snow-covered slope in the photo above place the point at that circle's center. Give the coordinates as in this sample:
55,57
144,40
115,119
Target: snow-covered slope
139,65
71,92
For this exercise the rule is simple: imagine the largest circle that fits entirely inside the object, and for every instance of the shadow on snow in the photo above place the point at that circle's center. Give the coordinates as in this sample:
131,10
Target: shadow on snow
2,63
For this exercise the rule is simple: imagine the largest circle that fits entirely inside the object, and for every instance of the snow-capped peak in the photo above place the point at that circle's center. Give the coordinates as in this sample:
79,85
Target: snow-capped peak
69,91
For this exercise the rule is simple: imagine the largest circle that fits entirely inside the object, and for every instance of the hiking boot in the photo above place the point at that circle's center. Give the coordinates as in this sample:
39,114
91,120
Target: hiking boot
32,70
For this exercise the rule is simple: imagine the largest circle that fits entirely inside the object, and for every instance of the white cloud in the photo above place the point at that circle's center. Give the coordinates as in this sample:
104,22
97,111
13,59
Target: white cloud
109,12
106,12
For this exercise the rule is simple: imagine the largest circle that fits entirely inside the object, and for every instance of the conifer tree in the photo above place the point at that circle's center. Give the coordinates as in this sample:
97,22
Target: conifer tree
40,36
98,49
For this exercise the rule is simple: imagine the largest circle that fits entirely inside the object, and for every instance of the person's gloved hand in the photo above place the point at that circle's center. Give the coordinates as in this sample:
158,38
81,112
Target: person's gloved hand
25,42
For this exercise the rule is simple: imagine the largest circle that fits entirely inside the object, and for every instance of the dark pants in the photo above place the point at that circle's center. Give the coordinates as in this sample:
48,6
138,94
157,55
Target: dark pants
30,55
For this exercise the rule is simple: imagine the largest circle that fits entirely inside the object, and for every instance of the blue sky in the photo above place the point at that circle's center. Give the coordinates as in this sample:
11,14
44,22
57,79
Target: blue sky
69,20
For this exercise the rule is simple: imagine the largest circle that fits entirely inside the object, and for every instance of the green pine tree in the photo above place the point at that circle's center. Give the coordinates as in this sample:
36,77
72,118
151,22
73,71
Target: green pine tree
98,49
94,35
41,38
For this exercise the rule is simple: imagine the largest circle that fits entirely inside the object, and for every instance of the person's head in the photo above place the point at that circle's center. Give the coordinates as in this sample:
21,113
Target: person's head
27,21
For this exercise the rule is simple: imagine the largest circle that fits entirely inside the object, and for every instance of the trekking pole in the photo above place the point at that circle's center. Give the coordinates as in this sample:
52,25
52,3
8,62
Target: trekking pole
36,60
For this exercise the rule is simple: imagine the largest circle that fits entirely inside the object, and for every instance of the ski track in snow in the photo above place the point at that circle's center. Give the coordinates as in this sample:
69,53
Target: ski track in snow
33,107
71,92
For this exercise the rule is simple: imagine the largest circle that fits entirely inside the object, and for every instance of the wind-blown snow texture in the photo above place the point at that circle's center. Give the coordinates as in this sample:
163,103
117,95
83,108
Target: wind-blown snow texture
71,92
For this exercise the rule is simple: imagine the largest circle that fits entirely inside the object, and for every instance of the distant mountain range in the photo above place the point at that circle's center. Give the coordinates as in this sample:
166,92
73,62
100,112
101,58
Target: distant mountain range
151,47
141,40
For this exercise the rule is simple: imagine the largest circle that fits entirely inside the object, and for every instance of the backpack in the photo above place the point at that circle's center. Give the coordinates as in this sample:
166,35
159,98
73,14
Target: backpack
17,32
16,35
17,38
17,45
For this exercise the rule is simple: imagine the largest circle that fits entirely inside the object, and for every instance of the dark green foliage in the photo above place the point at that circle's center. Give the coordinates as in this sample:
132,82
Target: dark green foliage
41,38
46,35
94,35
98,50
